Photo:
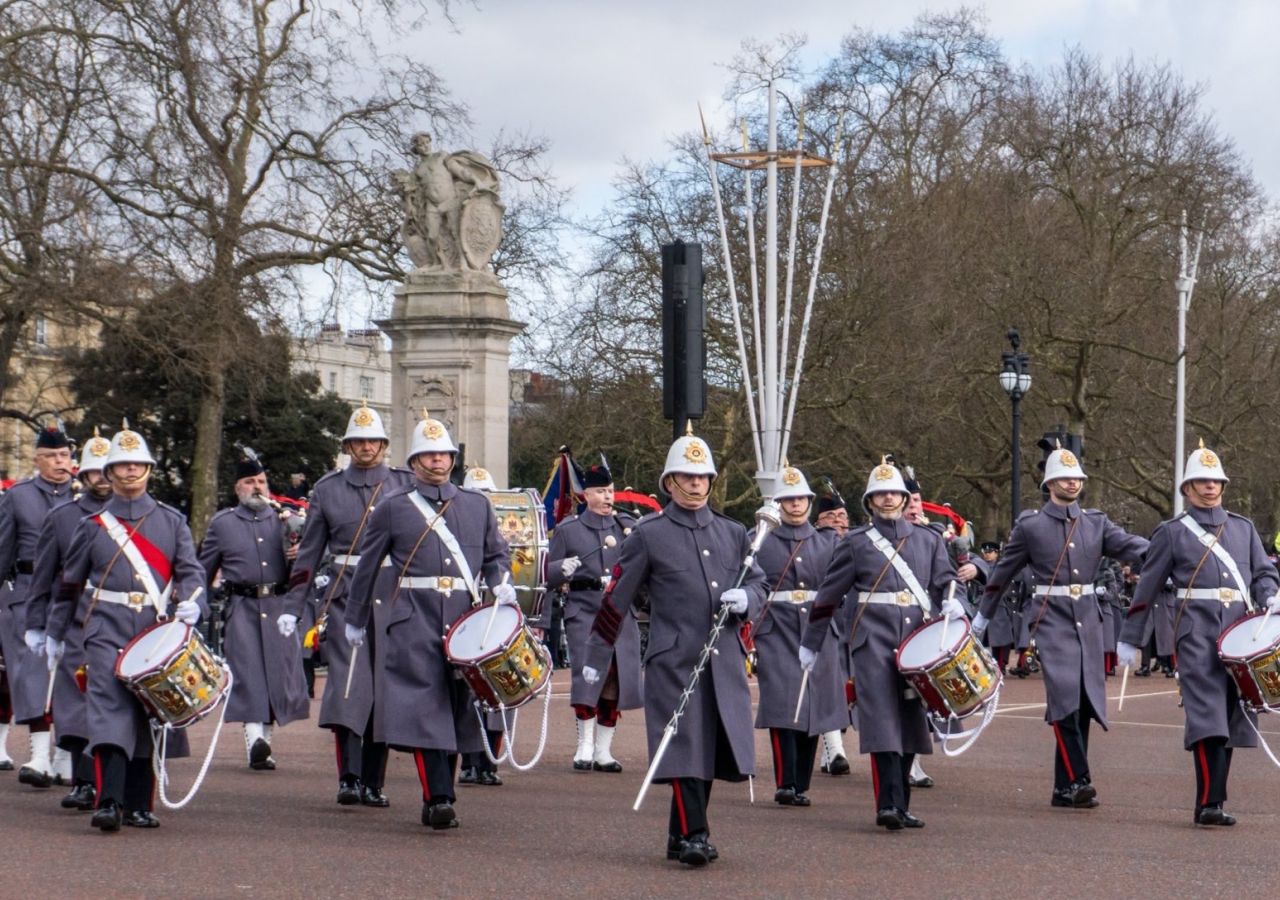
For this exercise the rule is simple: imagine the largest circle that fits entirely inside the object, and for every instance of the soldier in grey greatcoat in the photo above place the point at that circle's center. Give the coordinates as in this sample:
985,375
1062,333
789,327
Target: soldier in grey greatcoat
245,546
131,563
897,573
580,560
1005,633
337,518
23,510
441,540
70,718
794,557
833,518
1063,545
1221,572
688,559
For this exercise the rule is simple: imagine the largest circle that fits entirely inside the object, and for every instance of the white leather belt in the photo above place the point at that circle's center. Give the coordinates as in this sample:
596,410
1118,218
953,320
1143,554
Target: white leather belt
792,596
353,559
1222,595
1064,590
135,600
445,584
889,598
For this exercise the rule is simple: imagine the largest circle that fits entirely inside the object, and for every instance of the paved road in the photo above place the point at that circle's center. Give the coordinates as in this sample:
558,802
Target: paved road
555,832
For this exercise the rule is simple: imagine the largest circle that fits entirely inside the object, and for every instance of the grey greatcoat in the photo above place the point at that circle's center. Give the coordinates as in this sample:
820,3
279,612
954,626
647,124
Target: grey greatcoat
69,715
891,718
1069,634
778,628
1208,693
1006,627
115,715
420,700
23,509
686,559
247,546
336,522
583,536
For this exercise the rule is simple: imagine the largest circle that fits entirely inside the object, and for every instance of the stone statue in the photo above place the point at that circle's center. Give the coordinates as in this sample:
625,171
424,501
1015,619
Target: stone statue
452,215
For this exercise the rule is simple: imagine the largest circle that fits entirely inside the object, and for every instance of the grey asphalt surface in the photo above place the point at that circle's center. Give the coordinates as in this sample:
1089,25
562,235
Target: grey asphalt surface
555,832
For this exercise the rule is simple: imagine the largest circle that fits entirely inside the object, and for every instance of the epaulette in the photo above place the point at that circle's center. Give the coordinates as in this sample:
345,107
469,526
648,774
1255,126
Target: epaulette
647,518
1027,513
220,513
858,529
326,476
177,512
625,519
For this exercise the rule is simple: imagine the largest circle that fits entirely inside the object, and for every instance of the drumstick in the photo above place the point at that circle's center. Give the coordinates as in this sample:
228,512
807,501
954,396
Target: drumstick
804,682
1263,624
609,542
942,641
48,695
351,670
1124,682
484,641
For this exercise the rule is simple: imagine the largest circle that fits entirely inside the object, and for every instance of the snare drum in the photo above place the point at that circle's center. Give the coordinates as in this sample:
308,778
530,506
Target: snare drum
172,672
957,680
1253,663
506,669
522,523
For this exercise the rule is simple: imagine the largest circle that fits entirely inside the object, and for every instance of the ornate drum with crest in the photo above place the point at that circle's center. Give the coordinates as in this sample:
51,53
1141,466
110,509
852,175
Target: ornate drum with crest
954,677
1253,662
498,656
171,670
522,522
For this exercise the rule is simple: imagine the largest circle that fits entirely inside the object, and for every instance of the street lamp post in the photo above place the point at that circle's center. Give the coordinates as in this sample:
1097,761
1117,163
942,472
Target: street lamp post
1016,381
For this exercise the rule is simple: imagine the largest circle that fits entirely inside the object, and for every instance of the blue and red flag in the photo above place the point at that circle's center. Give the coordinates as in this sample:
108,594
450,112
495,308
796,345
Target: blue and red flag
563,492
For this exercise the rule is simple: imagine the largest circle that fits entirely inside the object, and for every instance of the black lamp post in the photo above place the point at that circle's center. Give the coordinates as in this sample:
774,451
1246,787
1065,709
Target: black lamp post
1016,381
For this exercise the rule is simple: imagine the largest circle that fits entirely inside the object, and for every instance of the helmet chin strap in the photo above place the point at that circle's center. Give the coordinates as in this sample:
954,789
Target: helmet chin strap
677,489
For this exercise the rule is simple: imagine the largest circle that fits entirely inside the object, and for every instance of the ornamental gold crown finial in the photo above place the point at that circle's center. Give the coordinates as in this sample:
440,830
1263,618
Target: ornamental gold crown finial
688,427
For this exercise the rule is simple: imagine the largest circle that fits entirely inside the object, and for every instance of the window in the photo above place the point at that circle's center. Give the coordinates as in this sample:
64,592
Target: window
366,387
333,382
42,331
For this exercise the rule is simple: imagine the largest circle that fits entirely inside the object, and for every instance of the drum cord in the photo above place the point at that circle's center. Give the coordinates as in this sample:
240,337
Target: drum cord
1244,707
988,714
509,731
160,742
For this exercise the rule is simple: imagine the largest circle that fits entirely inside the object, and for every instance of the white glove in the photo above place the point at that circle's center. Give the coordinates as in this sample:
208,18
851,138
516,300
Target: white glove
35,640
807,659
505,593
979,625
1128,655
953,608
569,565
287,624
1274,603
355,636
735,599
187,611
54,649
590,675
321,582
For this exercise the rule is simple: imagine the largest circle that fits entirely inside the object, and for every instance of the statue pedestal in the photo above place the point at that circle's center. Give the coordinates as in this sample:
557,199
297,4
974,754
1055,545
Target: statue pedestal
450,354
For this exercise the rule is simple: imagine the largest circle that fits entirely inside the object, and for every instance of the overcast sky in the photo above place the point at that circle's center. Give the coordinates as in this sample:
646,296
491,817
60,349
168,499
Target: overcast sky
603,80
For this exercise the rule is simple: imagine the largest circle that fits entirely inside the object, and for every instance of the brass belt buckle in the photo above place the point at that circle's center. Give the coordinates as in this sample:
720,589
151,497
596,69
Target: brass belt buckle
444,583
1226,595
1076,590
902,598
797,596
265,590
136,600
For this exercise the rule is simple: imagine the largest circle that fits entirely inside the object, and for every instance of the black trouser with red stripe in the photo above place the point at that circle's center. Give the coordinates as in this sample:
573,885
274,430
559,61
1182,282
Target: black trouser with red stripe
1212,759
891,779
436,771
793,755
361,757
1071,745
689,799
129,783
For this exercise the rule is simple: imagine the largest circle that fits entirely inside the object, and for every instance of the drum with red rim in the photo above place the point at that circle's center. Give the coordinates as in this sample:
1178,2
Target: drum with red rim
507,667
1252,659
955,676
173,673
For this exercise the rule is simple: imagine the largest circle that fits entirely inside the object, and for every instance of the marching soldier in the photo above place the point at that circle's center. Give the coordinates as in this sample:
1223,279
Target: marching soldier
70,717
1217,563
832,511
23,510
129,564
833,516
580,560
246,544
687,559
1063,546
794,557
440,539
337,519
896,572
